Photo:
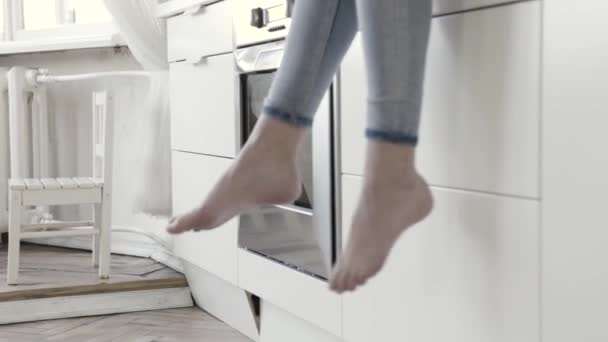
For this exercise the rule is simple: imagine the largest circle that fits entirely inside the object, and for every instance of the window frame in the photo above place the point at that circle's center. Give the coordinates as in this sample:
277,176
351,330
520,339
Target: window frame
65,35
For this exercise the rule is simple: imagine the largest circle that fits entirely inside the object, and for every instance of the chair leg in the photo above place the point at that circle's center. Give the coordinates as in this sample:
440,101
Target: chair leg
14,239
105,238
97,211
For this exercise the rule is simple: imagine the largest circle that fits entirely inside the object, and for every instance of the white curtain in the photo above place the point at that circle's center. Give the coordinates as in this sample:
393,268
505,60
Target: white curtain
148,138
144,33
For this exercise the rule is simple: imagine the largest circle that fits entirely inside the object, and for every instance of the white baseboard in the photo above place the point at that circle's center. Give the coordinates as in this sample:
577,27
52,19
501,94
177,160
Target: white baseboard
293,291
93,305
223,300
278,325
169,259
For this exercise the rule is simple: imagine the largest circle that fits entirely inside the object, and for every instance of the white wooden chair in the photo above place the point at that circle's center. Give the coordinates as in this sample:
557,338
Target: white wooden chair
94,190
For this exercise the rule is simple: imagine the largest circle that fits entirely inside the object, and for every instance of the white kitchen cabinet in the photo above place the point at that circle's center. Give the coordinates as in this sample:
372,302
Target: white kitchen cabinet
450,6
214,251
469,273
480,121
203,110
277,325
575,172
194,35
308,298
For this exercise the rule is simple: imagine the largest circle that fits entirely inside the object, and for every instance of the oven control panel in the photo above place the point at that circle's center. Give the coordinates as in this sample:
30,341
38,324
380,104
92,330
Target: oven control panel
259,21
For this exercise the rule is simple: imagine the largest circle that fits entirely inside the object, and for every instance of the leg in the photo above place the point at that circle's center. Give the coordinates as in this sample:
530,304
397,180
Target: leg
105,236
394,197
266,170
14,240
96,238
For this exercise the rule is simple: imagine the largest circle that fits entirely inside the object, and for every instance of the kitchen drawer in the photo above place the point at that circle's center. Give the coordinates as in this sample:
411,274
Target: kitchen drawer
214,251
450,6
206,32
203,111
468,273
306,297
480,120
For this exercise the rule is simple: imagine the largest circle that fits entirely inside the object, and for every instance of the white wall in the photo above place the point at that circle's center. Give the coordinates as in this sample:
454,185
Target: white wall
575,171
142,166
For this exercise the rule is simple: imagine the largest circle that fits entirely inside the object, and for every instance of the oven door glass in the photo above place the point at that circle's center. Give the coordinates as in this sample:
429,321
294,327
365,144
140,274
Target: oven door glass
295,234
257,87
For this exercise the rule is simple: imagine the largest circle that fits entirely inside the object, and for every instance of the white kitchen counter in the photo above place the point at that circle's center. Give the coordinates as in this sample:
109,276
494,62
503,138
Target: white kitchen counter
170,8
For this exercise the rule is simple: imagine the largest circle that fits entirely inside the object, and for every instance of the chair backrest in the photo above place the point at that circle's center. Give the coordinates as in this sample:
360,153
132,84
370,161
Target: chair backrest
103,137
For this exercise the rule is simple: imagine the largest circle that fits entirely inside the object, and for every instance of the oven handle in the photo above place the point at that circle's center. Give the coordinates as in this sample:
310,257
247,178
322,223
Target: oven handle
197,60
199,7
294,209
262,52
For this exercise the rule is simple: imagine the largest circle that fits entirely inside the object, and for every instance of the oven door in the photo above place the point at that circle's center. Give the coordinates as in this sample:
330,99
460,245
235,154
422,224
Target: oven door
302,234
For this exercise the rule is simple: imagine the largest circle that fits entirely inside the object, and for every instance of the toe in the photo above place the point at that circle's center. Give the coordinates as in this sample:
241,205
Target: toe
172,227
178,225
337,283
333,283
360,280
350,282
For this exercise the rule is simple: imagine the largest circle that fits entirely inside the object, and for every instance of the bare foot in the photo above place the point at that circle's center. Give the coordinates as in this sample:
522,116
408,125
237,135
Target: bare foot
394,197
264,173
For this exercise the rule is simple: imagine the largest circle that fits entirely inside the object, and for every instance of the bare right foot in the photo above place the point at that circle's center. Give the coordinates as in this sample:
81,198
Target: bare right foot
394,198
265,172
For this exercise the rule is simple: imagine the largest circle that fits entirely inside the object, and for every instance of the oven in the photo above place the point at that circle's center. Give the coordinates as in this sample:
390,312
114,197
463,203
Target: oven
301,235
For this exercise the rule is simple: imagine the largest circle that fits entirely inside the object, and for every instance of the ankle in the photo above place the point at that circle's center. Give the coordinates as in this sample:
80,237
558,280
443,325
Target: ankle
276,136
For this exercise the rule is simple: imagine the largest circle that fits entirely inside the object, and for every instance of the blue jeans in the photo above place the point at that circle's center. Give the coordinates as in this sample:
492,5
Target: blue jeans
395,37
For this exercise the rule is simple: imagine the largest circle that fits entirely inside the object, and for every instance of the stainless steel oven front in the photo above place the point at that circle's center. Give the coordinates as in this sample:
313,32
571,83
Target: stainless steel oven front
303,234
258,21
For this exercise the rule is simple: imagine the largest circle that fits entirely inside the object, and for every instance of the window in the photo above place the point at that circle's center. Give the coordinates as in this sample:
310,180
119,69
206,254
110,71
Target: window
39,14
88,11
1,19
42,14
31,22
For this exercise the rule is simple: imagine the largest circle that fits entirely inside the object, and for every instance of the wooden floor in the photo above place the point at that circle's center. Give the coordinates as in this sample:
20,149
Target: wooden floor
53,272
175,325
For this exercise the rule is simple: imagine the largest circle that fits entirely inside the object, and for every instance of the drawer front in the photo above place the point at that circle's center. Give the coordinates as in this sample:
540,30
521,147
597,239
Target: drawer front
480,120
471,268
450,6
203,111
207,32
306,297
215,251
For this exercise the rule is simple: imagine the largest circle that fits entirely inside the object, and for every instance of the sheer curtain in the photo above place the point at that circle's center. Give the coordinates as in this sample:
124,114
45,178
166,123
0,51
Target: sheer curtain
146,150
144,33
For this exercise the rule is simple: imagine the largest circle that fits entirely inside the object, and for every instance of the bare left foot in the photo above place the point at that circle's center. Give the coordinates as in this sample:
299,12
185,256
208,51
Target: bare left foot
393,199
264,173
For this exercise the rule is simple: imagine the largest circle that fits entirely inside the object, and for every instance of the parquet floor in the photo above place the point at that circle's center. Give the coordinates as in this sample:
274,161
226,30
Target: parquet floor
175,325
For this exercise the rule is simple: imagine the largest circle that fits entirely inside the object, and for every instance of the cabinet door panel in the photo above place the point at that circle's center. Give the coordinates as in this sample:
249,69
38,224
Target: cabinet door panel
207,32
215,251
469,273
480,119
203,111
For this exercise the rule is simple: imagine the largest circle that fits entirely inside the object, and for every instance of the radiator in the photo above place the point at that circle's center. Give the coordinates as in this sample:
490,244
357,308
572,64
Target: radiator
23,132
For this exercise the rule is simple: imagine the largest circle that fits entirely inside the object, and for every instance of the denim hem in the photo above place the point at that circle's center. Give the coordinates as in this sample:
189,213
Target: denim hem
293,119
392,137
